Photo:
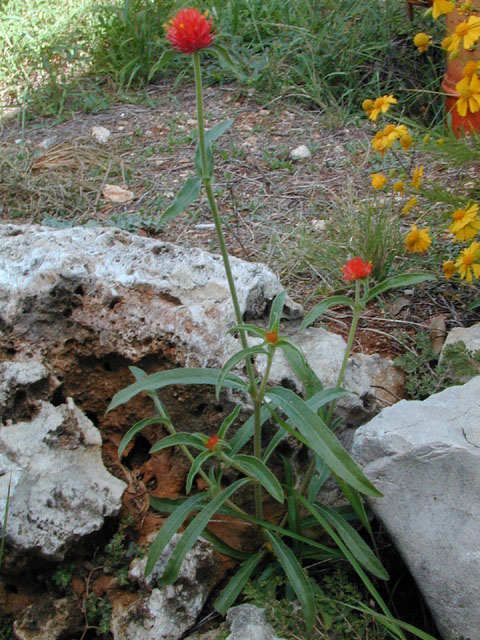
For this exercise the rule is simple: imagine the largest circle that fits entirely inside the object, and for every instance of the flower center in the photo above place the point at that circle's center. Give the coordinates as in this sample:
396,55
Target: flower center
462,29
458,215
468,259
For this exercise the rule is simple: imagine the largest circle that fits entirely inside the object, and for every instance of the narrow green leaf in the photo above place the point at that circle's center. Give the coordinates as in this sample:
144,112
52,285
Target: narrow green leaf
276,311
273,444
259,470
170,377
135,429
194,469
202,172
193,532
229,420
326,396
245,432
319,309
187,439
355,543
473,305
356,502
404,280
225,59
236,584
321,439
300,366
210,136
217,130
185,197
223,547
171,525
138,373
166,505
296,577
243,354
167,55
251,328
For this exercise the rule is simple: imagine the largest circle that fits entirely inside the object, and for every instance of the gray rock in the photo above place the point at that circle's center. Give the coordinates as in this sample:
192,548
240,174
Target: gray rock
59,485
248,622
165,613
470,336
49,620
425,458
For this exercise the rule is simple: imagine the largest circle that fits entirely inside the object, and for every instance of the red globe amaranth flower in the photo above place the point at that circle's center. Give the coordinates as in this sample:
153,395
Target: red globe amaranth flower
271,337
189,31
356,269
211,442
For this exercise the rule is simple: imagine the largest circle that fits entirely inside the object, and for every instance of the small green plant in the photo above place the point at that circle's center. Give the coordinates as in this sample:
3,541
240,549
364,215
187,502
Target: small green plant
425,374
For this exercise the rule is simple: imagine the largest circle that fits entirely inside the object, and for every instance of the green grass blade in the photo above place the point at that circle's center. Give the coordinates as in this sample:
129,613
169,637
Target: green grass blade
404,280
236,584
298,580
321,439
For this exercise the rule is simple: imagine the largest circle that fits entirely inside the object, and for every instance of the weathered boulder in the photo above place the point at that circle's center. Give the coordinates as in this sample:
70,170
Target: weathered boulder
469,335
425,458
165,613
49,619
248,622
50,462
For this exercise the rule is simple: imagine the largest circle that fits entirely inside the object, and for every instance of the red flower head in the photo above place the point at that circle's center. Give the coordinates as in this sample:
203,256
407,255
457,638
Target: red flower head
190,30
356,269
271,337
211,442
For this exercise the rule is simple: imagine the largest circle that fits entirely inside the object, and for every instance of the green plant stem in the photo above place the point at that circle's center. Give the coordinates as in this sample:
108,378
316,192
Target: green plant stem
206,179
357,312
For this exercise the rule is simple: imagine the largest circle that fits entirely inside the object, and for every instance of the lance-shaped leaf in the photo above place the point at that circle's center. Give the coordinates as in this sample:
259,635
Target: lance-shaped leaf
135,429
296,577
171,525
243,354
210,136
256,468
276,311
223,547
321,439
229,420
404,280
245,432
225,59
184,198
194,469
173,376
299,364
319,309
187,439
236,584
167,55
193,532
326,396
273,444
250,328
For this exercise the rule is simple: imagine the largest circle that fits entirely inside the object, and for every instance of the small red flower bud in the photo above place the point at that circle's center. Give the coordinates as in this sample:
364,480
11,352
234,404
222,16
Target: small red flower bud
211,442
271,337
189,31
356,269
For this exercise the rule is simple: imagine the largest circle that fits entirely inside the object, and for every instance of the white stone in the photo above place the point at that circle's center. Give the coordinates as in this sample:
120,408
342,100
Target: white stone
165,613
248,622
300,153
425,458
101,134
469,335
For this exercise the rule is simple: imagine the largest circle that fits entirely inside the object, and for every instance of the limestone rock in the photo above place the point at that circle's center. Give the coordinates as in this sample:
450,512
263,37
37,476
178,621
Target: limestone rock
470,336
165,613
248,622
425,458
59,485
49,620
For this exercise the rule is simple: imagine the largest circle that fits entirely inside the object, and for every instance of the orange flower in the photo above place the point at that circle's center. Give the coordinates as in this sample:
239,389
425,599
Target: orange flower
271,337
189,31
356,269
422,41
211,442
449,269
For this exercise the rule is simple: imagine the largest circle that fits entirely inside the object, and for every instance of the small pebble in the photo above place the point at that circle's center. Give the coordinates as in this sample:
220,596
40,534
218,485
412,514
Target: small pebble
101,134
300,153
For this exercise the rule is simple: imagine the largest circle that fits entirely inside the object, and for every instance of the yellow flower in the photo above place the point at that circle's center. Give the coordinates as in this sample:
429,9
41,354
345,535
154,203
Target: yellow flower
440,141
418,241
465,6
422,41
468,30
399,187
378,180
469,90
465,224
384,139
468,261
441,6
367,106
410,204
426,138
406,141
449,269
417,177
381,105
470,69
446,42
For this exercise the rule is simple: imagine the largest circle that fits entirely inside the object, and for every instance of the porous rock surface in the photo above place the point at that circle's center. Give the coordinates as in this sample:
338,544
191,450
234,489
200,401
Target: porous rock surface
165,613
248,622
51,464
425,458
